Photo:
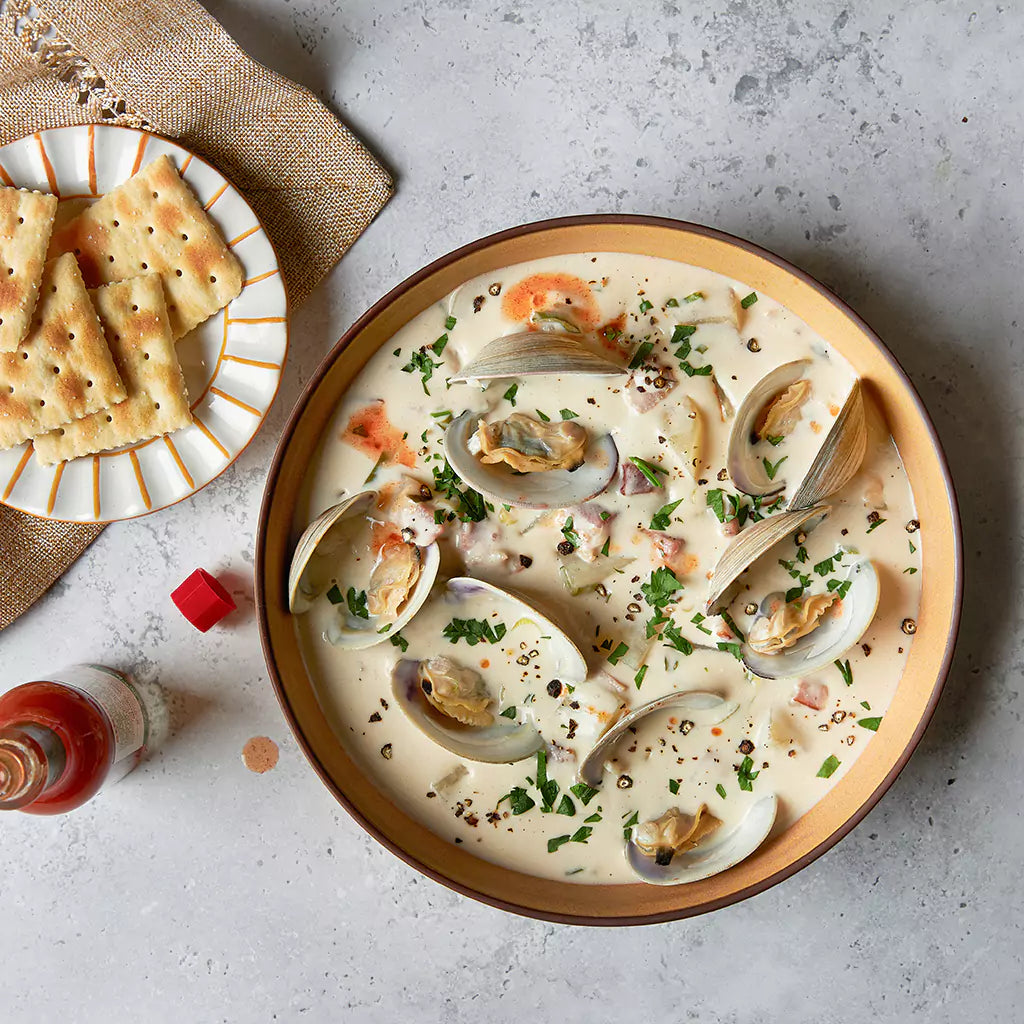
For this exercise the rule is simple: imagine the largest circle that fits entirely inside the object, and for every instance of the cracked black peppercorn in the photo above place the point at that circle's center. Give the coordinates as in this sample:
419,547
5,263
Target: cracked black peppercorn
746,747
555,688
566,547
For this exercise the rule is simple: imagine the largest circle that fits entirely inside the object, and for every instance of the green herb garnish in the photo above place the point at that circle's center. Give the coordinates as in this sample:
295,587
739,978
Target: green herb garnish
663,517
674,639
543,416
720,790
648,470
356,601
520,801
474,631
399,641
620,652
694,296
877,523
471,506
554,844
567,414
450,323
334,595
733,649
639,677
645,306
845,671
828,767
770,469
566,807
509,713
869,723
583,792
747,301
744,775
439,345
422,364
697,620
634,819
673,786
510,394
642,352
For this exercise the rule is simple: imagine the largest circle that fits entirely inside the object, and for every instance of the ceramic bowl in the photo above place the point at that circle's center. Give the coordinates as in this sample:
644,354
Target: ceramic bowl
914,701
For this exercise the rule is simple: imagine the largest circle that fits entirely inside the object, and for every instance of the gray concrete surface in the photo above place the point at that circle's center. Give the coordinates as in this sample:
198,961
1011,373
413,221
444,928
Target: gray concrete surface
877,145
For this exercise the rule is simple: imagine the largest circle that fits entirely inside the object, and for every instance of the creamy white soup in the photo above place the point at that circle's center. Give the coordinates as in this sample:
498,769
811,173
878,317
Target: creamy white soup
433,687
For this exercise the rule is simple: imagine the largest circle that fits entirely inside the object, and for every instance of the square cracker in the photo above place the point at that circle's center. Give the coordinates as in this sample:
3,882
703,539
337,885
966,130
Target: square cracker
154,224
26,220
134,318
62,370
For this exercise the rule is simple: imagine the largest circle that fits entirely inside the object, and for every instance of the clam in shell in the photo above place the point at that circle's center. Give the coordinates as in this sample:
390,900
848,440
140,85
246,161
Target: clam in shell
530,485
399,584
833,629
699,707
750,544
536,353
746,467
461,718
713,853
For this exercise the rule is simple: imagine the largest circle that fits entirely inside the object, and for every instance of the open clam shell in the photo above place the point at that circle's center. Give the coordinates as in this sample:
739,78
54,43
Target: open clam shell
536,353
719,854
700,707
563,657
558,488
836,634
502,742
745,467
310,573
749,545
840,456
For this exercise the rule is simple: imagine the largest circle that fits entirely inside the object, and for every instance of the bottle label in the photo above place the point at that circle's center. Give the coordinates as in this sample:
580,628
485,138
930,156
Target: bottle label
118,701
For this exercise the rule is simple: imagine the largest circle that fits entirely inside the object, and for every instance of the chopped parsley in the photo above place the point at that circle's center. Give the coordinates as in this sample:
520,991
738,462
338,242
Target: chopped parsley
681,333
912,548
748,300
658,590
548,787
775,439
694,296
825,566
828,767
681,337
450,323
869,723
671,303
728,620
840,587
845,671
356,601
720,790
509,712
733,649
439,345
520,801
570,534
648,470
634,819
399,641
583,792
673,786
543,416
716,500
606,546
697,620
558,841
474,631
661,519
620,652
642,352
645,305
639,677
510,394
582,834
744,775
334,595
568,414
909,571
593,817
865,705
421,363
877,523
470,504
674,639
771,469
566,807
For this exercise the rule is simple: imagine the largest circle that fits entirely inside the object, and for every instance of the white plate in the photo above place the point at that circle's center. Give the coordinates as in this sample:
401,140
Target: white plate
232,363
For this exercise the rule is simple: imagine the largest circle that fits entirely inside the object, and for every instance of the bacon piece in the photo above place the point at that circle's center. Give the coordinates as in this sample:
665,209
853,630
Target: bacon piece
811,694
588,525
633,480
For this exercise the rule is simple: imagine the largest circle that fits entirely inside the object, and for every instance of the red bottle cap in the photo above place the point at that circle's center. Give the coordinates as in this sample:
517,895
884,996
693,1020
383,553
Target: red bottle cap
202,600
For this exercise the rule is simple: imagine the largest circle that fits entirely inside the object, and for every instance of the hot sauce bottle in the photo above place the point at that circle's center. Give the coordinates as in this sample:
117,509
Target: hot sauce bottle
62,739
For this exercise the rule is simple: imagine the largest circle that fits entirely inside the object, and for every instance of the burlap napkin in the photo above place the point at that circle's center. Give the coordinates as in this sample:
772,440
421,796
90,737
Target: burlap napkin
169,67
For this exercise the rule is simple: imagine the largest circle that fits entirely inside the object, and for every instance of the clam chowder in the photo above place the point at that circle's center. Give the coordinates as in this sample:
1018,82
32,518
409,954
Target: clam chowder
575,487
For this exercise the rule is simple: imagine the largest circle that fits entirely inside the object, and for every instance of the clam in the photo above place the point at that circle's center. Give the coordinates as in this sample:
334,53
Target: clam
840,456
536,353
756,419
711,853
457,717
749,545
788,640
699,707
399,583
520,461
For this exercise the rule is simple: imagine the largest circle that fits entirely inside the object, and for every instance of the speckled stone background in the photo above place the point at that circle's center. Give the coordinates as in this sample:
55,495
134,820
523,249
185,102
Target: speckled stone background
876,144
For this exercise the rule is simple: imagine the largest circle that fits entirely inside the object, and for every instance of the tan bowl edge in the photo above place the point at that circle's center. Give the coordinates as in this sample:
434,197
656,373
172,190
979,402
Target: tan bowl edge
916,697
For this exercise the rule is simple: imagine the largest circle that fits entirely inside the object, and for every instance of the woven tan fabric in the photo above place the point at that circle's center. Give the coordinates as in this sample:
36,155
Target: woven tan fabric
168,66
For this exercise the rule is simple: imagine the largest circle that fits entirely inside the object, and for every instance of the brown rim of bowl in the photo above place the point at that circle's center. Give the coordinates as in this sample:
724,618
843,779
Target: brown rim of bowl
581,221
